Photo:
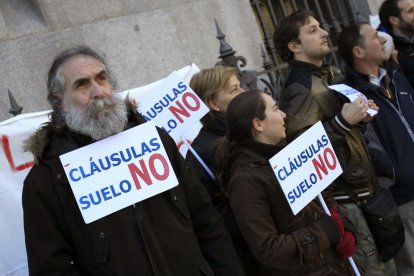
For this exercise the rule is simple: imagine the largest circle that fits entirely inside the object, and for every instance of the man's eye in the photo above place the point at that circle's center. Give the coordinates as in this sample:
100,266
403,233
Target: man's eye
102,77
81,84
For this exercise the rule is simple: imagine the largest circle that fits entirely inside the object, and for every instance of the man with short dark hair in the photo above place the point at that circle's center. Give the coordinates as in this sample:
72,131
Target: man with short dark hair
397,18
364,53
306,99
176,232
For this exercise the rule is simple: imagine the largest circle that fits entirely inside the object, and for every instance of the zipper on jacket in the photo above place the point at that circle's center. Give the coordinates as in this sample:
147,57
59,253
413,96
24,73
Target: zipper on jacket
407,126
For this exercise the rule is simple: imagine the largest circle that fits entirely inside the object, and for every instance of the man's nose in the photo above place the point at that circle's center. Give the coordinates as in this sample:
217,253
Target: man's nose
97,91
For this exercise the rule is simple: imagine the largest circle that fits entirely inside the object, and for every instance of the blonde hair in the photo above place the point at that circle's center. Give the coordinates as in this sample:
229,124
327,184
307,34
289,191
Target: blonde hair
208,82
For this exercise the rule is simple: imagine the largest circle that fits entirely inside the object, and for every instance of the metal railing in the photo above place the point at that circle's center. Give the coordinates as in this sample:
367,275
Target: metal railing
333,15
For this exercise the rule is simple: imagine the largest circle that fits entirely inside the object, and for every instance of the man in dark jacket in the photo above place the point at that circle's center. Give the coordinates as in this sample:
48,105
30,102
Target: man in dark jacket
364,54
306,99
397,19
176,232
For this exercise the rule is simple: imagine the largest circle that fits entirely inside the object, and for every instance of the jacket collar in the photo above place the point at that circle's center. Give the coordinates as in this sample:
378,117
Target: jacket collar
253,152
402,39
218,124
361,80
262,151
300,70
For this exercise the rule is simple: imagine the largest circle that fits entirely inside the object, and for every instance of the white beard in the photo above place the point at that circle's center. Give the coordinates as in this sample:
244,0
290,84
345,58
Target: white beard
101,118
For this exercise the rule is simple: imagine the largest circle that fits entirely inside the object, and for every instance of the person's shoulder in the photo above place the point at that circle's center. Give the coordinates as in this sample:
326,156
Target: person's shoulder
299,77
166,139
248,178
43,173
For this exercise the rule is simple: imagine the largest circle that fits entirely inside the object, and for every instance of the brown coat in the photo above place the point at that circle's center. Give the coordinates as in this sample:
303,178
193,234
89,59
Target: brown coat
284,243
177,232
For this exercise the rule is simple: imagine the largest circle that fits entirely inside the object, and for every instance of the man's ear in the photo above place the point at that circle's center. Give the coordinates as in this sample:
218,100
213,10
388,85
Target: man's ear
394,20
257,124
64,108
358,52
212,104
294,47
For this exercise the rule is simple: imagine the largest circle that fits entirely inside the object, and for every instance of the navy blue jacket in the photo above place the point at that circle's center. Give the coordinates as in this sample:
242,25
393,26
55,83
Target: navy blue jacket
394,125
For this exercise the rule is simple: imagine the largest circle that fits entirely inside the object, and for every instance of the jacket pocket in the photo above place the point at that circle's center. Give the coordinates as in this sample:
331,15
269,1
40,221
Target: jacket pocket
178,200
100,240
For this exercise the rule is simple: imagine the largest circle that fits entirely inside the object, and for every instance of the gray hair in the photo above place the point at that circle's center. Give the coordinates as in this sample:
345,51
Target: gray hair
56,84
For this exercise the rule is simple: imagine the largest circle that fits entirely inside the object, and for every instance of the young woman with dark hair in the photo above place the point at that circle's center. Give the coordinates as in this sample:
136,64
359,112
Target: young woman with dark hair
284,243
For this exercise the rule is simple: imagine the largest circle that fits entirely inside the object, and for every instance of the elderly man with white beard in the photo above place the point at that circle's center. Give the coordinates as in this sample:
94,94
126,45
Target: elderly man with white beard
176,232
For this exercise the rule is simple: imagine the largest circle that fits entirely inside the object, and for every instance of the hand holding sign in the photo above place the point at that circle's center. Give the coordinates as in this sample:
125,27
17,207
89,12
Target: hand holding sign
310,155
353,94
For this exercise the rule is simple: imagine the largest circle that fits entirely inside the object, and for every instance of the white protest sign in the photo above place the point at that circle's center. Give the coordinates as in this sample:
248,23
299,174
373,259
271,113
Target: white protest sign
170,103
352,94
306,167
118,171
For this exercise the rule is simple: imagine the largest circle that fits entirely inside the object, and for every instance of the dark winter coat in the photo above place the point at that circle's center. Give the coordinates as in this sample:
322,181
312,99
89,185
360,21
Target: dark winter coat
204,144
405,56
176,232
393,125
285,244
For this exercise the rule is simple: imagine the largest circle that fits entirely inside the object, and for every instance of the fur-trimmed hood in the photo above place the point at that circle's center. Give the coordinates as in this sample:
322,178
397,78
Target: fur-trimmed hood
38,141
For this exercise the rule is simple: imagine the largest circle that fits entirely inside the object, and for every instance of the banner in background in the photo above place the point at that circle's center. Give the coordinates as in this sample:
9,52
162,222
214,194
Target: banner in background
171,104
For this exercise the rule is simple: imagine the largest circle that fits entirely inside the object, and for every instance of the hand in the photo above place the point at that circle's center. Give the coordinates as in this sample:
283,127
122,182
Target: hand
347,246
329,227
335,216
372,105
354,112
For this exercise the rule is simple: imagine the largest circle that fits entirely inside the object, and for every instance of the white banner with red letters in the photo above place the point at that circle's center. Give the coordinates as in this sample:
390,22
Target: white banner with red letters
14,166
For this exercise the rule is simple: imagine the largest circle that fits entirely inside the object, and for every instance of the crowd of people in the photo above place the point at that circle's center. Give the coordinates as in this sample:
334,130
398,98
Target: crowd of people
229,215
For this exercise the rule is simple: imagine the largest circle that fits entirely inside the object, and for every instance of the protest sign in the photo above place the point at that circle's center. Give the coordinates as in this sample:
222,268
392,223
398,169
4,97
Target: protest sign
352,94
306,167
118,171
171,104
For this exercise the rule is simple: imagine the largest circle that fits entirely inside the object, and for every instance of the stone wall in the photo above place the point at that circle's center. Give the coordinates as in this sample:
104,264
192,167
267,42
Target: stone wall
142,40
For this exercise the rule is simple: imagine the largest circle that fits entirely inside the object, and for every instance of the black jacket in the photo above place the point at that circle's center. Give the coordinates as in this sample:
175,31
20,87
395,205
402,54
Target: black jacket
204,144
394,125
176,232
405,57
